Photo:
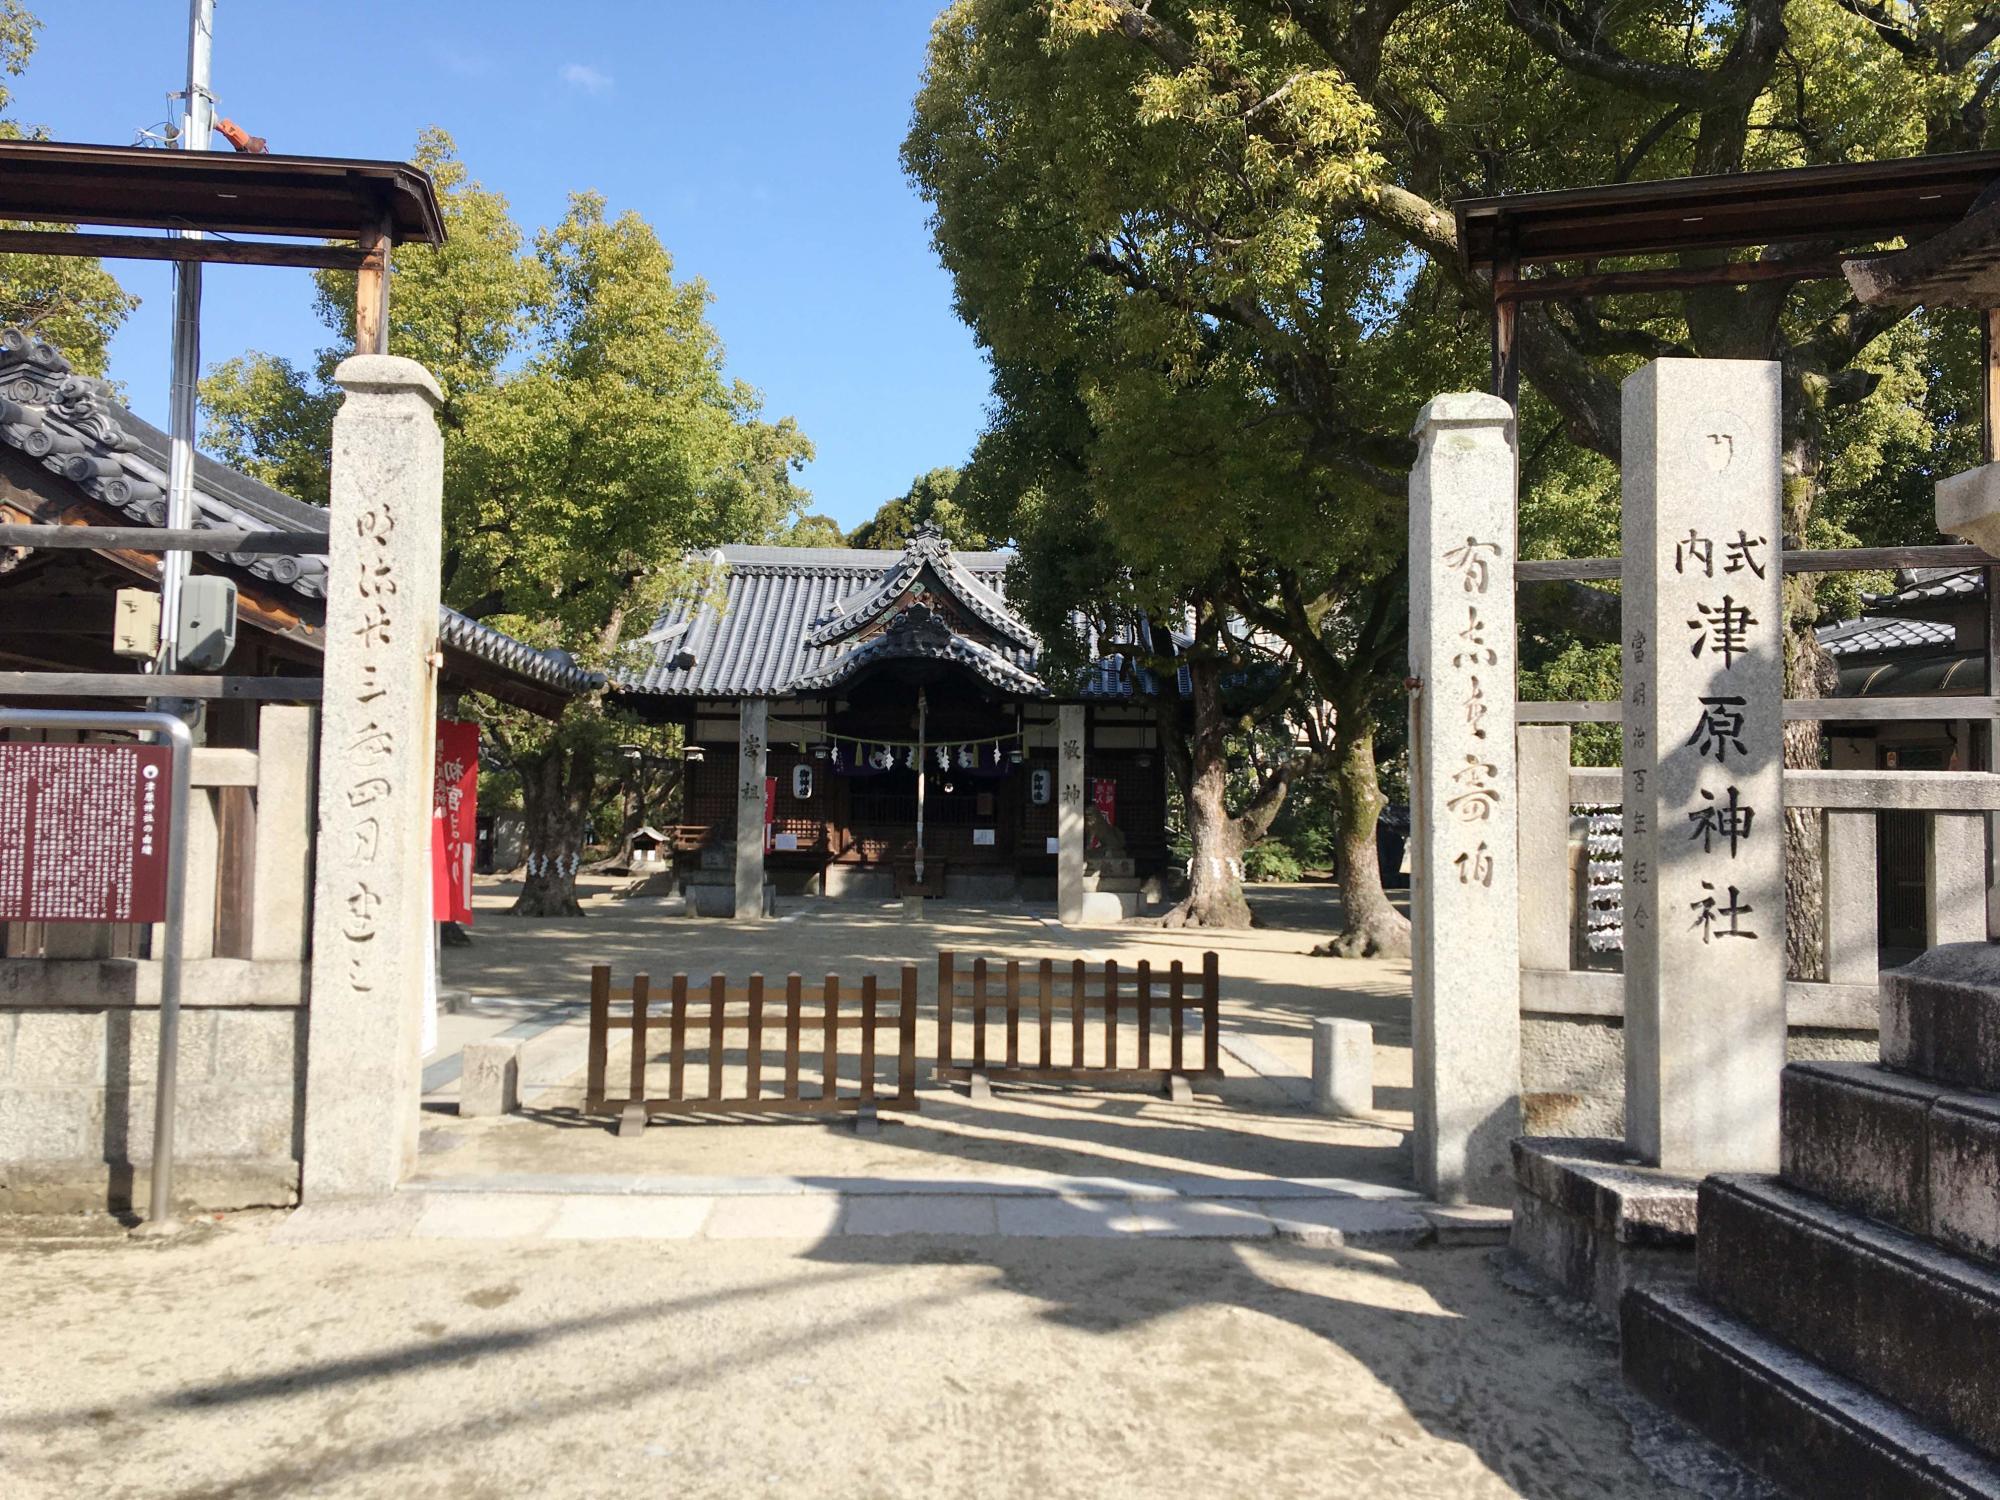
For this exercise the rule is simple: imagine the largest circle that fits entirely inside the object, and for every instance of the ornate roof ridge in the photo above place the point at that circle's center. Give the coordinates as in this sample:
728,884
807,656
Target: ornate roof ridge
70,425
927,548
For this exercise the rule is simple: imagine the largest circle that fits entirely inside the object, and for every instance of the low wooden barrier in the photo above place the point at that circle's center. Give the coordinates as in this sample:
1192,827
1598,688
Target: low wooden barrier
1090,1002
708,1020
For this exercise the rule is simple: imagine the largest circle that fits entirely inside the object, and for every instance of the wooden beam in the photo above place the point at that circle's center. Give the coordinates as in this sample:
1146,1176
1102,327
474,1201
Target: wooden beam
1665,279
371,290
1799,560
151,685
1506,351
217,539
310,257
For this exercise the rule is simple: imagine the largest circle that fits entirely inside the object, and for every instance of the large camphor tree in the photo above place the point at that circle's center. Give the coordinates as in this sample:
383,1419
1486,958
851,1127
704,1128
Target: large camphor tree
591,443
1260,191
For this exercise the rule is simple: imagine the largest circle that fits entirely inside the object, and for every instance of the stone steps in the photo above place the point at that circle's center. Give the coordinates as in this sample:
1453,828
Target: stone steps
1912,1323
1941,1017
1784,1415
1921,1156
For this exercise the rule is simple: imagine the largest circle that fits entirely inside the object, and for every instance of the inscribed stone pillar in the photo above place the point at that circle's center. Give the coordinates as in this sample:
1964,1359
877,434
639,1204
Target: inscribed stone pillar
372,862
1704,815
1465,892
1070,792
751,750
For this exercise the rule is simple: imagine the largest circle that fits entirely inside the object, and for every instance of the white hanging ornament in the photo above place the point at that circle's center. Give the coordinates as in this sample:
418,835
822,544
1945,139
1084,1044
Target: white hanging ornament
882,757
944,758
968,757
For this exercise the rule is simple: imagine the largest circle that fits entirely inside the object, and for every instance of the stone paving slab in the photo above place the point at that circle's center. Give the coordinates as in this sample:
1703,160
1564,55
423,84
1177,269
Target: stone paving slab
1024,1185
1322,1221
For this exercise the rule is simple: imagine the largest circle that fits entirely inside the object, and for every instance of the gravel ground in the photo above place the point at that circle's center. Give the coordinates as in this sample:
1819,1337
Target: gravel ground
226,1365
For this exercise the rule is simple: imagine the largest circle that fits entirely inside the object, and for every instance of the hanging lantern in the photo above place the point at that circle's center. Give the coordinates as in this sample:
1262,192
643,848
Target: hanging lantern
819,751
1017,755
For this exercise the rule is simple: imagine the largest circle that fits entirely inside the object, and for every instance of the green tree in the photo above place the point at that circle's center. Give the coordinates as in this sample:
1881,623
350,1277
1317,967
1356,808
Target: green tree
812,531
591,443
71,302
931,500
1269,182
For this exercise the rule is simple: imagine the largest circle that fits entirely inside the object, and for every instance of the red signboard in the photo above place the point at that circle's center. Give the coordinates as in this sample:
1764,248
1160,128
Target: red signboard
454,821
83,832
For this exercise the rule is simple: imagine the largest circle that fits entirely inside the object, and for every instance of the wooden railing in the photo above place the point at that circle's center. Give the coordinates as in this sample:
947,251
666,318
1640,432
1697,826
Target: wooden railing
704,1023
1093,1006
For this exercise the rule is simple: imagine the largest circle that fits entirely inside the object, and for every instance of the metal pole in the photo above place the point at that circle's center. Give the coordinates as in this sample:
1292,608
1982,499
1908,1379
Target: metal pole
923,754
197,121
159,1211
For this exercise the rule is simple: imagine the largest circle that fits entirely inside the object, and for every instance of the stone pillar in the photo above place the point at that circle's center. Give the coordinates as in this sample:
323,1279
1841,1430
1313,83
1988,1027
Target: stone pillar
751,751
1465,890
1703,782
372,864
1343,1075
284,840
1548,904
1070,794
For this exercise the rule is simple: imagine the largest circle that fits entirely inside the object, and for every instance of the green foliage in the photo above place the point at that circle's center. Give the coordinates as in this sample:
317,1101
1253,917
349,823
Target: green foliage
811,531
1271,859
70,301
931,500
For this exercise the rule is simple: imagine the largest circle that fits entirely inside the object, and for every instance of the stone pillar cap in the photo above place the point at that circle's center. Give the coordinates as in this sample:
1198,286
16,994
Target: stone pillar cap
387,374
1463,409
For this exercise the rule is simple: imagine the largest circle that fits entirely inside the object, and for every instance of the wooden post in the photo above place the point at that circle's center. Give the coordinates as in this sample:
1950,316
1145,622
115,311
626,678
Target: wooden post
795,999
1506,355
600,1035
1110,1012
677,1040
1013,1013
979,1015
868,1036
634,1120
945,981
718,999
1145,1014
1211,1016
829,1088
1077,998
1176,981
906,1038
1046,997
371,290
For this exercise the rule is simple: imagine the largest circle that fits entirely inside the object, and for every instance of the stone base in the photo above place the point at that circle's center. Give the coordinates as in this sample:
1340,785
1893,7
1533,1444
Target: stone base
95,1187
1941,1016
1108,908
1596,1224
1791,1421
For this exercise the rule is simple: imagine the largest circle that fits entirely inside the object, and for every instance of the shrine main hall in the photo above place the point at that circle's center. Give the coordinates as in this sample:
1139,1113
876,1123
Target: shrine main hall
878,724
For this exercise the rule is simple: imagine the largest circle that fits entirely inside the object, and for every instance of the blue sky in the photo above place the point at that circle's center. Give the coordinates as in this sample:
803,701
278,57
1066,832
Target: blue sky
758,137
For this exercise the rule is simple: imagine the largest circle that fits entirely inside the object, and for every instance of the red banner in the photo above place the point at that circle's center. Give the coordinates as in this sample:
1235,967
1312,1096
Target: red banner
83,832
1104,797
454,821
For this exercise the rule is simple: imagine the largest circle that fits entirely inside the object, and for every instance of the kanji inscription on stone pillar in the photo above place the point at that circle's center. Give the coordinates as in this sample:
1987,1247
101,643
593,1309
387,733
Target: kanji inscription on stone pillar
1704,719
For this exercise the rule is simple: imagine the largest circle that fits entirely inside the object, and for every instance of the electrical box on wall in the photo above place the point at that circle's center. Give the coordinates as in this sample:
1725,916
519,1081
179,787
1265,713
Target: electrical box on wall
207,631
135,624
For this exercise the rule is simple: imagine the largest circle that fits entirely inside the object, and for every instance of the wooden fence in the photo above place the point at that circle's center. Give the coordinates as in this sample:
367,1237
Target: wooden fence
1093,1005
703,1024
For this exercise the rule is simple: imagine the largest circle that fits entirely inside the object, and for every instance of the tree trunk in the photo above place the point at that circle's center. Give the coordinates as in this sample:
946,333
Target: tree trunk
1374,928
554,799
1215,874
1809,673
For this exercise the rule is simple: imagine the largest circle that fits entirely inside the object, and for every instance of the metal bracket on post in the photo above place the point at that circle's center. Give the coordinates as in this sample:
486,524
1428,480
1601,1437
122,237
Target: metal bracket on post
159,1210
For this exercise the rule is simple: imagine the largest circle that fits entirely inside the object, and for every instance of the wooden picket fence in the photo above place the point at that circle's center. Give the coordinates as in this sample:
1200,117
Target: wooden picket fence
694,1022
1089,1002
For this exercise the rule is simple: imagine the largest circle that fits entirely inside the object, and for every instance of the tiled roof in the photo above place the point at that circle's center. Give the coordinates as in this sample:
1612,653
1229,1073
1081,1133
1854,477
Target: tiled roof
1874,634
1926,584
71,425
781,620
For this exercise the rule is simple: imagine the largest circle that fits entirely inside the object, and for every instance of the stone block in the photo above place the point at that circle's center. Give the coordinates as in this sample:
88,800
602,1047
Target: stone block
210,1120
1941,1016
134,1048
1859,1137
260,1045
58,1047
49,1124
1814,1433
489,1080
1596,1222
1912,1323
918,1213
628,1217
1343,1075
1106,908
1964,1175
